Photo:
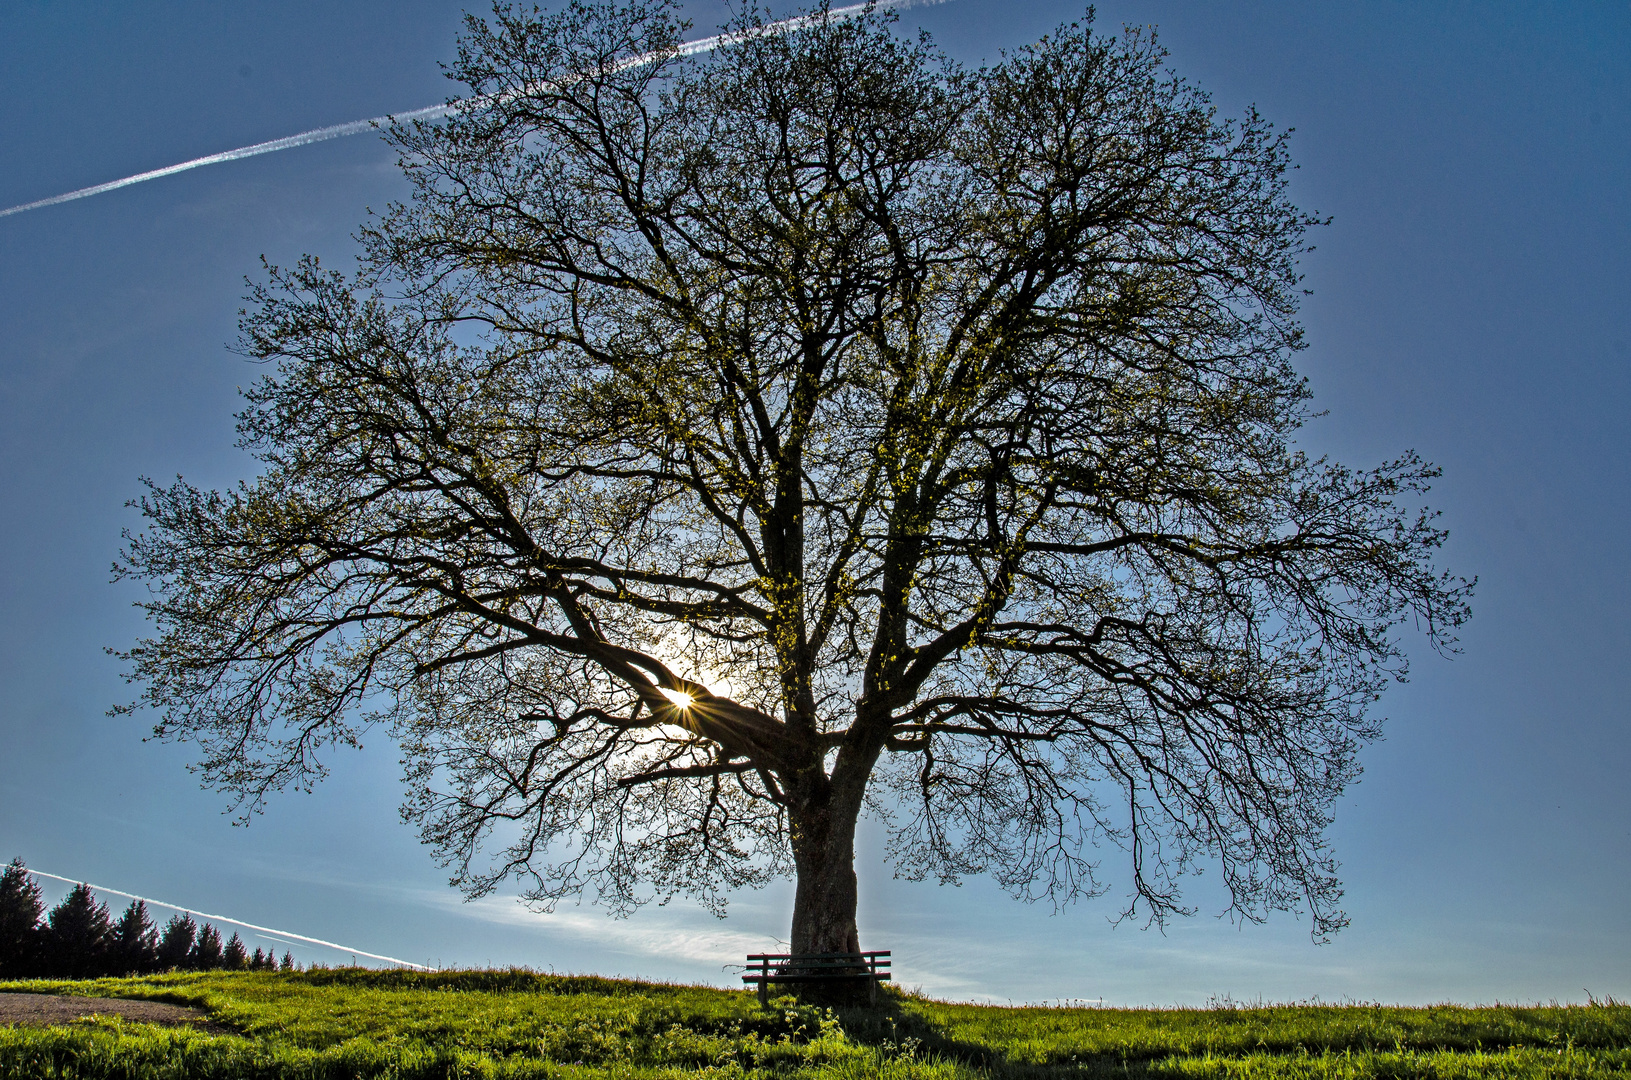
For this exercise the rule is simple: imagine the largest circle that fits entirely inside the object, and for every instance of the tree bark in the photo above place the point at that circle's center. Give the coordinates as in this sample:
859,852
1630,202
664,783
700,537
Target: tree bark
824,857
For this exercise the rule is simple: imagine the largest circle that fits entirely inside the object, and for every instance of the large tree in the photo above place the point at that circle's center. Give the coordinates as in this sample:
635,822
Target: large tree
715,447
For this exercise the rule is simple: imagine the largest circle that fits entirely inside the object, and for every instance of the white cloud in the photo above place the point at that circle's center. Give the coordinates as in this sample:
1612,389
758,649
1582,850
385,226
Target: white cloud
670,933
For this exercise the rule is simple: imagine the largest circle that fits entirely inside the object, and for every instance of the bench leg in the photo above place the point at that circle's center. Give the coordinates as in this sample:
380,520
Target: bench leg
764,993
872,988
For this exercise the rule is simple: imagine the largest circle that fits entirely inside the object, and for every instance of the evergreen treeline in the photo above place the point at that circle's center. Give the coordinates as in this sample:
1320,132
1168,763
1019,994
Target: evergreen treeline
78,939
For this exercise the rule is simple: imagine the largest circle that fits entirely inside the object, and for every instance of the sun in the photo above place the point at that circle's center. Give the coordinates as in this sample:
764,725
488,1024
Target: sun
680,698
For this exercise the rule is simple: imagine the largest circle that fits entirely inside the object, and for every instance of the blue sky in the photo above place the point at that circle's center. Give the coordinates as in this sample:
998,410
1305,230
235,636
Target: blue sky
1471,300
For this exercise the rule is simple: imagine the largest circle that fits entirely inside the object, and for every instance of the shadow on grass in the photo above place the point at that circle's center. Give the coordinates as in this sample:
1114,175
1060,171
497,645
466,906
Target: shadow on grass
897,1029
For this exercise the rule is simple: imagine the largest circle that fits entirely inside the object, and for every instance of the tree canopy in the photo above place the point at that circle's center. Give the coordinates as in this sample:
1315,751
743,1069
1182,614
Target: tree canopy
714,447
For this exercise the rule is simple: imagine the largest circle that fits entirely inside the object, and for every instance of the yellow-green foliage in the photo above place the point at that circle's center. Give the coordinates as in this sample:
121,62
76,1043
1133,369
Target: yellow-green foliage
513,1024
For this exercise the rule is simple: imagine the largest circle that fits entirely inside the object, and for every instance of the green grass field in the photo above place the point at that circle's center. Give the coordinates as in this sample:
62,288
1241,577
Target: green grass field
354,1023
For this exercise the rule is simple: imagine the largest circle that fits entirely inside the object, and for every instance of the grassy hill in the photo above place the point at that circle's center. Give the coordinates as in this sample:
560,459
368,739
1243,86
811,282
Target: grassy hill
355,1023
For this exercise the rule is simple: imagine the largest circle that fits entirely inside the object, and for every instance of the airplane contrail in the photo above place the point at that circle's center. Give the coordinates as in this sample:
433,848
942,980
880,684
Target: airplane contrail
235,922
436,112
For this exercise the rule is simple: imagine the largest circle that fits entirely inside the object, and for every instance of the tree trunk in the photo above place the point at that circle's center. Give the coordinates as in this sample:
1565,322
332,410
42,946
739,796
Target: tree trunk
824,857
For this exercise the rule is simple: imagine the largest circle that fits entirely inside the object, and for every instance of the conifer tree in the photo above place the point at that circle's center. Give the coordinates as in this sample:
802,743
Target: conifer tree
236,957
135,942
78,936
288,962
20,909
206,954
176,946
258,960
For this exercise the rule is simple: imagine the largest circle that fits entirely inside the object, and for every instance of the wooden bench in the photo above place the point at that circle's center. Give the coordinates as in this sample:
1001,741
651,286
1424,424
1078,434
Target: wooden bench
766,968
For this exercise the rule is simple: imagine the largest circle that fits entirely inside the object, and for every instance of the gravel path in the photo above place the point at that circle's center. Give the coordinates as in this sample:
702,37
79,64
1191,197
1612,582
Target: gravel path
41,1010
